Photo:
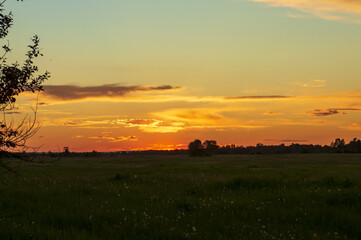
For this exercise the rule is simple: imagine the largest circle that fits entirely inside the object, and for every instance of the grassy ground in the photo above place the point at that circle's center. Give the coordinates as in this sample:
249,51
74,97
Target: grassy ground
178,197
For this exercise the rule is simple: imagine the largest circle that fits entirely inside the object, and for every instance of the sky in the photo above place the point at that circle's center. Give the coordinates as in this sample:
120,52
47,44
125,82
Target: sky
140,74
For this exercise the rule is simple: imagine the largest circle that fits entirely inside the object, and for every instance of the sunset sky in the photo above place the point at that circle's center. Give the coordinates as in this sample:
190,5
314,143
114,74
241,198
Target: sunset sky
140,74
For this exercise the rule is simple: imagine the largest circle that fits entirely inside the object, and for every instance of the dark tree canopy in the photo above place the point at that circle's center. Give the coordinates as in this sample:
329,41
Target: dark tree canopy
196,148
210,146
207,148
16,78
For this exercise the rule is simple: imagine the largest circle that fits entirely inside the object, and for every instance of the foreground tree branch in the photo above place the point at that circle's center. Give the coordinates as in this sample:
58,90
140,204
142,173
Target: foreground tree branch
16,79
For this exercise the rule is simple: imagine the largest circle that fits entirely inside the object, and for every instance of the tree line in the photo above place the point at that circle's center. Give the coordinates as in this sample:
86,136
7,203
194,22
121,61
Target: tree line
210,147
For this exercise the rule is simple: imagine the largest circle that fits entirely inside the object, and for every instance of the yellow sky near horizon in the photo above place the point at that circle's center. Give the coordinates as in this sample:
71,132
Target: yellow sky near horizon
168,119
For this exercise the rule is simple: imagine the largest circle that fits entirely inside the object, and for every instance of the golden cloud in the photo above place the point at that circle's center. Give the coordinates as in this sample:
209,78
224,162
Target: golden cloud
199,115
344,10
258,97
85,122
115,139
151,125
77,136
316,83
272,113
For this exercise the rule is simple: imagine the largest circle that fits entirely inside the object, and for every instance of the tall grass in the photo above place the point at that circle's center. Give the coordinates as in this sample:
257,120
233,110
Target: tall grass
220,197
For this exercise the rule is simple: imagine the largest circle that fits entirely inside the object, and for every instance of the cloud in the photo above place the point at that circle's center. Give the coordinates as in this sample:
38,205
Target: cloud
138,122
316,83
258,97
353,127
77,136
73,92
43,104
197,115
298,16
151,125
86,122
342,10
115,139
193,116
331,111
11,113
272,113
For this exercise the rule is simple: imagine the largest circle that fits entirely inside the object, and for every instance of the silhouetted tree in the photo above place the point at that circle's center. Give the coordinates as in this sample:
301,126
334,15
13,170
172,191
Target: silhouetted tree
339,145
354,146
15,79
196,148
210,147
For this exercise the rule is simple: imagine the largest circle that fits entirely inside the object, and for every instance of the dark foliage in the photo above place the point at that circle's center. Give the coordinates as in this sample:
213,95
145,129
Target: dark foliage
15,79
338,146
208,148
196,148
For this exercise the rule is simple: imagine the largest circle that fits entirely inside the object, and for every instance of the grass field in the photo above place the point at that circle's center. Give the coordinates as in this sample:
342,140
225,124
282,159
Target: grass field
179,197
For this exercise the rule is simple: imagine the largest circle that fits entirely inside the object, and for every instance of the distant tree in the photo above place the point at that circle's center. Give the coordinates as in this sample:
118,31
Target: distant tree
92,153
15,79
339,145
354,146
210,147
195,148
66,151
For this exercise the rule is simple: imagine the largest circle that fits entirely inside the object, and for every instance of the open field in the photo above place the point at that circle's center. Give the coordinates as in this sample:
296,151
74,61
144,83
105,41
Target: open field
178,197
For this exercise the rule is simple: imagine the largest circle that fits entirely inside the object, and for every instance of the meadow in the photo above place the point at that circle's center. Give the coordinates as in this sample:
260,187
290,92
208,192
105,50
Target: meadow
180,197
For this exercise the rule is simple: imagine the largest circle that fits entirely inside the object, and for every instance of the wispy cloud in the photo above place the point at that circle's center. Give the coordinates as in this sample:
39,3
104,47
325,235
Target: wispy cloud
194,115
272,113
331,111
315,83
74,92
151,125
258,97
85,122
342,10
353,127
11,113
77,136
115,139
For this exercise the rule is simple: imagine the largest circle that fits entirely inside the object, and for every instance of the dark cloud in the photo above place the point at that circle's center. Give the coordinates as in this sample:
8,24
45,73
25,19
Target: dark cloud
73,92
71,124
43,104
259,97
12,112
331,111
